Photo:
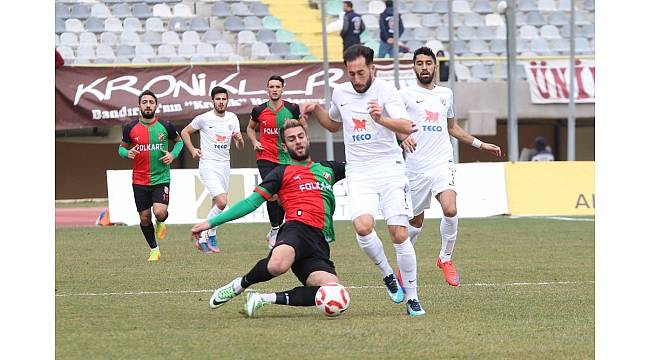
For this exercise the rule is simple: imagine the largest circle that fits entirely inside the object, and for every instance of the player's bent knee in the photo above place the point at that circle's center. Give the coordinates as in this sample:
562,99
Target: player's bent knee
278,267
220,201
318,278
363,225
450,211
417,221
161,215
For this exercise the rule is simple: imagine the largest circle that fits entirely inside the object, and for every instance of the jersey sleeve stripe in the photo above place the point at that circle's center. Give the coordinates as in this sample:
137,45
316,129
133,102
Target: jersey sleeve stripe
262,191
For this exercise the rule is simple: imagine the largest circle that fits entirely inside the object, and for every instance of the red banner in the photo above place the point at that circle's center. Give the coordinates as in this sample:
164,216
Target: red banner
548,81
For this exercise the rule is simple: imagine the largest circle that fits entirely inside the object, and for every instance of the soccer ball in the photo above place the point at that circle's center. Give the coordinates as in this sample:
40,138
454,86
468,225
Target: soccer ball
332,299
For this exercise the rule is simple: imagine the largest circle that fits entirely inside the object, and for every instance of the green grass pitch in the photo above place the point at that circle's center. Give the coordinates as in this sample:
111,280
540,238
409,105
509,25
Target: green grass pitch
527,292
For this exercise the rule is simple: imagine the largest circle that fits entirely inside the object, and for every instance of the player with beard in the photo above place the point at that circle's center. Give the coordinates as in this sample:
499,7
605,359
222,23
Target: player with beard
146,141
217,127
305,189
269,117
430,158
371,113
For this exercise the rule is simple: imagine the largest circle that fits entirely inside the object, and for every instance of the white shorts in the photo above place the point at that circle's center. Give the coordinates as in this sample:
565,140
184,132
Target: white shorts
215,176
387,190
425,184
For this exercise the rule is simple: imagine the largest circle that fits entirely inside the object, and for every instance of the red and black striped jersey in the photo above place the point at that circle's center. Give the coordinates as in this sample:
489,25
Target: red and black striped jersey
305,192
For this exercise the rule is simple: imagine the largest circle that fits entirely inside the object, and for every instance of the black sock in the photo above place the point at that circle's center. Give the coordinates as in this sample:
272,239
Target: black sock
276,213
259,273
149,235
298,296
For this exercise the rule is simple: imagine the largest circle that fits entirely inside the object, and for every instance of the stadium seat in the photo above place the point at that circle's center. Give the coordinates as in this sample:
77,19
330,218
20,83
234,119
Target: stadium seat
59,26
481,72
190,37
69,39
583,46
154,24
298,48
268,36
478,47
414,44
66,52
199,24
523,46
259,9
159,60
376,7
74,25
205,50
198,59
521,71
100,10
259,51
406,36
130,38
582,18
333,8
279,48
546,5
431,20
498,46
550,32
132,24
82,61
440,6
372,21
540,46
462,72
87,38
557,18
220,9
589,5
465,32
86,52
253,23
113,24
528,32
284,36
139,60
108,38
142,11
526,5
461,6
500,32
167,51
61,11
212,36
494,20
423,33
152,37
234,24
360,6
122,60
271,23
171,37
144,50
421,7
105,54
177,24
273,57
460,47
520,19
182,10
186,50
535,18
121,10
409,21
434,45
223,49
564,5
483,7
442,33
560,46
80,11
486,32
586,31
162,11
239,9
473,19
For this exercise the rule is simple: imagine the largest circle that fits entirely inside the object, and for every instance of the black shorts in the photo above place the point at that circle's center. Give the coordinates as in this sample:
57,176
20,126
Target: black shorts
146,195
265,167
312,251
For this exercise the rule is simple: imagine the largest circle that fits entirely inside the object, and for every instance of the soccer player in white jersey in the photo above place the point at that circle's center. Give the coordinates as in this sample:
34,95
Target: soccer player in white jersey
371,112
430,157
217,127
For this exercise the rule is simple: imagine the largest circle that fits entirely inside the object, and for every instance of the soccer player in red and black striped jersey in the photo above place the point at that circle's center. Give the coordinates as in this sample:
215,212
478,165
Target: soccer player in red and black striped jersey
270,117
146,141
305,189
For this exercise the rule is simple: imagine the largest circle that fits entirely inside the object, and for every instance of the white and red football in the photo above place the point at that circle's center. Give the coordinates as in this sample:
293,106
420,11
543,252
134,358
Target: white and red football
332,299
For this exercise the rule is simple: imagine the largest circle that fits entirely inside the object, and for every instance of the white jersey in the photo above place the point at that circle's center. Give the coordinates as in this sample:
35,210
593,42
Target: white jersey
429,110
366,142
216,132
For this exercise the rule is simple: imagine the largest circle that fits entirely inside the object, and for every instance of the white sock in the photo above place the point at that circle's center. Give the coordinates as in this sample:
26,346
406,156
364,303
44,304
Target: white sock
408,267
448,232
213,212
371,245
414,232
155,249
204,237
269,297
236,285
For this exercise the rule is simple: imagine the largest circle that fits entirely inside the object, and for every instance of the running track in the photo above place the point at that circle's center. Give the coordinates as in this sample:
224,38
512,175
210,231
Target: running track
76,217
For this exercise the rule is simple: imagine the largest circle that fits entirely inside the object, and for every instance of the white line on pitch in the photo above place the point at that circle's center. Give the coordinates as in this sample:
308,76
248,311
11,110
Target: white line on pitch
349,287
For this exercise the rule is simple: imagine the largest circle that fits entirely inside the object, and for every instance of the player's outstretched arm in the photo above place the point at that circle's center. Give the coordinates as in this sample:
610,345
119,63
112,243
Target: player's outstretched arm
239,209
459,133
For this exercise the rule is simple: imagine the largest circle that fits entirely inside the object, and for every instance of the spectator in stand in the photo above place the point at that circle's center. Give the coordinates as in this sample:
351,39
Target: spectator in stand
542,151
444,66
386,31
353,26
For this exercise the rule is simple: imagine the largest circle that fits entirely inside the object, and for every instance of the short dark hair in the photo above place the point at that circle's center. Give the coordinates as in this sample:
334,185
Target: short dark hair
424,51
389,3
218,90
147,92
291,123
355,51
348,3
275,77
